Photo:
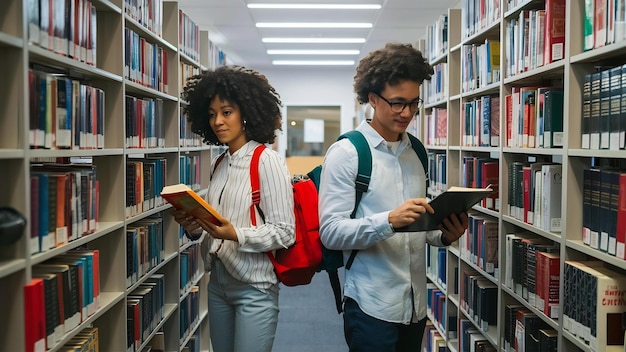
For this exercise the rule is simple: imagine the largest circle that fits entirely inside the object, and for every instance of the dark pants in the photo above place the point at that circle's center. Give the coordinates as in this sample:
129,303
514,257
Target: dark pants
364,333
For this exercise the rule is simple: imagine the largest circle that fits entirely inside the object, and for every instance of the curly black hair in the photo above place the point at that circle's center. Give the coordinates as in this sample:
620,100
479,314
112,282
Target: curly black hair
391,65
258,102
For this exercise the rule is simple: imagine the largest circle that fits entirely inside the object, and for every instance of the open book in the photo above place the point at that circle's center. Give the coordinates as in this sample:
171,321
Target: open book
455,200
182,197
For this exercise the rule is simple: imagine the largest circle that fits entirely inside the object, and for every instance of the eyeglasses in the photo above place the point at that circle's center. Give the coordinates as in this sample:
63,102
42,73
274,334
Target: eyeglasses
399,107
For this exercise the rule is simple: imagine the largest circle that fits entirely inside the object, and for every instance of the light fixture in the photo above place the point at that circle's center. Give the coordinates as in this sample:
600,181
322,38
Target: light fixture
313,62
312,52
315,40
316,6
312,25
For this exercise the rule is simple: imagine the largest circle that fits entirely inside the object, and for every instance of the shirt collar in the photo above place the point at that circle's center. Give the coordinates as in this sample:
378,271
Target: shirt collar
375,138
246,150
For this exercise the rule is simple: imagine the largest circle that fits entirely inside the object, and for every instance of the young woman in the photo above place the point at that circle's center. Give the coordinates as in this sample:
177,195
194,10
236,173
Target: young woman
237,107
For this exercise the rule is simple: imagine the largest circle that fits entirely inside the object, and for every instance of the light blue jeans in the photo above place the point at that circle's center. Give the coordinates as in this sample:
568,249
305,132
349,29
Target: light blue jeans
242,318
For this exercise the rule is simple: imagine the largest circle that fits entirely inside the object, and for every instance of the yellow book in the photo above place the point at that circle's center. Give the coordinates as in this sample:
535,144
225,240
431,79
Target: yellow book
182,197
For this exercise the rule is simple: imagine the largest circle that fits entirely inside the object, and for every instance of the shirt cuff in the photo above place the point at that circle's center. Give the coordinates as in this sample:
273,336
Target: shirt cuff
382,225
241,239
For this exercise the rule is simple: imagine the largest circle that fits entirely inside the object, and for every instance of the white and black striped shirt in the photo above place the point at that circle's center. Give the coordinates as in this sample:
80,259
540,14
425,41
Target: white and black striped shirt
229,192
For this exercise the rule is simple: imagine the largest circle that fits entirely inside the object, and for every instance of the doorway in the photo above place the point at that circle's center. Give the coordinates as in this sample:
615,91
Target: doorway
311,129
310,132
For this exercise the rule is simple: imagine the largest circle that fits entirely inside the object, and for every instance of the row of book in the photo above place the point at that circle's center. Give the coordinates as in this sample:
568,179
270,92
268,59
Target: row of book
437,127
604,23
479,244
480,122
477,15
145,63
604,109
437,307
66,27
478,172
593,304
64,113
535,38
533,271
437,38
525,331
433,341
145,178
437,180
64,204
480,65
187,137
145,308
436,264
148,13
471,338
188,36
64,291
186,72
535,194
144,248
476,296
189,313
190,167
191,268
145,125
436,89
85,341
604,210
534,117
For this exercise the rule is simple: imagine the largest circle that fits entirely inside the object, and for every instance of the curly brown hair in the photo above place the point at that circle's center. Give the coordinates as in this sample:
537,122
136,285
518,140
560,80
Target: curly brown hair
391,65
258,102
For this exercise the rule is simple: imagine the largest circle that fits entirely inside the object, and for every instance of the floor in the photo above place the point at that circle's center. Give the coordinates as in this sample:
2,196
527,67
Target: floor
308,320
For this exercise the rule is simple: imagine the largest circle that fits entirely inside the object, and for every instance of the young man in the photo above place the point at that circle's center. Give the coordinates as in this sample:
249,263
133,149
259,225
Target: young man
385,288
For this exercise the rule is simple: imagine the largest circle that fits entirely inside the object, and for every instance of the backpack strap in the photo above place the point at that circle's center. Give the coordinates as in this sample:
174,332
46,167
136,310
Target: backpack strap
364,171
417,145
363,175
217,162
255,184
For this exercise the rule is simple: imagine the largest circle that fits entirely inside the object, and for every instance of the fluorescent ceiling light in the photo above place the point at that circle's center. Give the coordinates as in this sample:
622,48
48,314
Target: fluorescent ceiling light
314,40
316,6
312,25
312,52
313,62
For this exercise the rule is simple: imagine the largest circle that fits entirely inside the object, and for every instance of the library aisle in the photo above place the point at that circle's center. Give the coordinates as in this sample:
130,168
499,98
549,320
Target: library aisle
308,321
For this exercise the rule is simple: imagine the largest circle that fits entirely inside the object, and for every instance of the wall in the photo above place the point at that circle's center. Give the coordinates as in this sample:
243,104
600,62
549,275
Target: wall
314,86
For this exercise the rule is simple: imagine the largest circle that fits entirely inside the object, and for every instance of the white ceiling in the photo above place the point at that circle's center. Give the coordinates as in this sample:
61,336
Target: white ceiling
232,27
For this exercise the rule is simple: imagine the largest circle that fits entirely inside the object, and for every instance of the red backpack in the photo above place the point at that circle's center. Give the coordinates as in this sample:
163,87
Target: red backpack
297,264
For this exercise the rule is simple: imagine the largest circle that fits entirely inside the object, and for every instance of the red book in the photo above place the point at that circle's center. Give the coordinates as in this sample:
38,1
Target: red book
599,23
508,109
554,39
34,317
489,177
134,314
547,284
621,218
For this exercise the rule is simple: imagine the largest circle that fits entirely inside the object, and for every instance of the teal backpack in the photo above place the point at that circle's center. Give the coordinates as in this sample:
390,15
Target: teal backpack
332,260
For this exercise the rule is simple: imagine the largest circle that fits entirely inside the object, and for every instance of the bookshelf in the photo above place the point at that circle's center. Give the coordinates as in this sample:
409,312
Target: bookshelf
450,148
106,70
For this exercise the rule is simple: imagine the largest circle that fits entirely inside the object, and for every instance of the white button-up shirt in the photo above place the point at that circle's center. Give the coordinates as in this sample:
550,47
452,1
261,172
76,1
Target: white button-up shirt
230,194
388,276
